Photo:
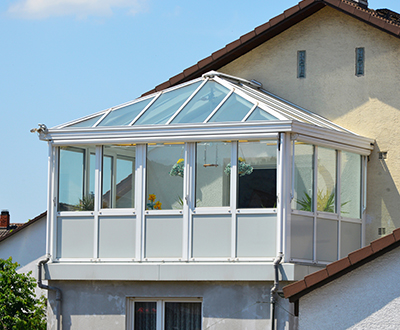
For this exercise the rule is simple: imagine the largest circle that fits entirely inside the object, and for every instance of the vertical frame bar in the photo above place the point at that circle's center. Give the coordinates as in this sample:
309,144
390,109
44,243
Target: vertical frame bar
339,198
97,198
281,199
54,201
186,202
314,202
191,170
233,196
363,198
140,201
51,199
286,150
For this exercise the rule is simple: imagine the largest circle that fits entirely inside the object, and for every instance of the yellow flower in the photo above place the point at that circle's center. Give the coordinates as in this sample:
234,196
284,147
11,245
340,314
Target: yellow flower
241,159
157,206
152,197
180,160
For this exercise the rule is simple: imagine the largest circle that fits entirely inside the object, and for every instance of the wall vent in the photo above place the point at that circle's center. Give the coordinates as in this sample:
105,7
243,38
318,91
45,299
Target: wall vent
381,231
382,155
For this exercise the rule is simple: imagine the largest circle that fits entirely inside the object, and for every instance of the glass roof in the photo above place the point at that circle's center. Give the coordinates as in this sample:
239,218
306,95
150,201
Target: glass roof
213,98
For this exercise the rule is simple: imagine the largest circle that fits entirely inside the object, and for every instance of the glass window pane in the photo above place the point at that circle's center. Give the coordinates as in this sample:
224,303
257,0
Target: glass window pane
87,123
303,177
179,315
165,170
350,185
202,104
125,115
76,175
212,183
257,174
326,180
234,109
166,105
118,176
145,316
259,114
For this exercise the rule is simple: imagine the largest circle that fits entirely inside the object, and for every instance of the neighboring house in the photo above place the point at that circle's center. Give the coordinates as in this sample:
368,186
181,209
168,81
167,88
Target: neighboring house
360,291
24,242
175,209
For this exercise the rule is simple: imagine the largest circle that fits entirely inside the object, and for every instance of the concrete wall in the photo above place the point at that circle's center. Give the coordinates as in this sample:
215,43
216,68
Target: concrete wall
226,305
366,298
367,105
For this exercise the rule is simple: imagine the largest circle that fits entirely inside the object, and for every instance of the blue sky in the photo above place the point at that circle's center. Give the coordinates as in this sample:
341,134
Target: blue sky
63,59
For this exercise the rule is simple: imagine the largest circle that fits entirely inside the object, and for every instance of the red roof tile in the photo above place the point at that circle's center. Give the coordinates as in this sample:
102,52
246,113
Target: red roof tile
339,268
387,21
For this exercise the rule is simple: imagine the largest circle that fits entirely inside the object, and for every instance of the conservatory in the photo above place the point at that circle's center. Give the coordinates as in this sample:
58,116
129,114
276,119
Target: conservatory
215,170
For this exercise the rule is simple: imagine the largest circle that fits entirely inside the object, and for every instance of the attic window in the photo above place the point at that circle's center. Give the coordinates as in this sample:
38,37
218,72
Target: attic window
360,59
301,64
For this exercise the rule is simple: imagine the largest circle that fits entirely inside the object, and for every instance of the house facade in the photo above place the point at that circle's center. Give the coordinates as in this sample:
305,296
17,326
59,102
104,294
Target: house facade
184,208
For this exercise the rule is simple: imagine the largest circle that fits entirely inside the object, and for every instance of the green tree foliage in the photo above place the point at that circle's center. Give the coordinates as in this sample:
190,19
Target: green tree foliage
19,307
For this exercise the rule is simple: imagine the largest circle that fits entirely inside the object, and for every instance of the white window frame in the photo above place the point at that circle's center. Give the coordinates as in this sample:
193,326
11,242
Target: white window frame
130,309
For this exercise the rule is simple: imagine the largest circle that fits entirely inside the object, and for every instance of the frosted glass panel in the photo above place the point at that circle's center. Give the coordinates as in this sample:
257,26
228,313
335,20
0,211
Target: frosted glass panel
117,237
166,105
302,232
165,170
350,235
202,104
75,237
257,174
212,184
125,115
163,237
234,109
350,185
87,123
256,235
327,236
211,236
326,193
303,177
259,114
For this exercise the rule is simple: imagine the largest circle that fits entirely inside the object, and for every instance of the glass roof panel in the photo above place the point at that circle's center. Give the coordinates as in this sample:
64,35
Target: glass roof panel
259,114
125,115
87,123
234,109
166,105
202,104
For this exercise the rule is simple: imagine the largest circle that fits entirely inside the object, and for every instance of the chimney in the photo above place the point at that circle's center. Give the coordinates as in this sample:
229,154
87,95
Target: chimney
362,3
5,219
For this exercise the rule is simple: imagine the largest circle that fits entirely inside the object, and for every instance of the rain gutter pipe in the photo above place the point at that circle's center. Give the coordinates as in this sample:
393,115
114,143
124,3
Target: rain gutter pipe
47,287
274,289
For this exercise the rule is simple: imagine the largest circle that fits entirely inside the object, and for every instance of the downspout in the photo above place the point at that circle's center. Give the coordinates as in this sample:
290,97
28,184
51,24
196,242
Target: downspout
274,289
47,287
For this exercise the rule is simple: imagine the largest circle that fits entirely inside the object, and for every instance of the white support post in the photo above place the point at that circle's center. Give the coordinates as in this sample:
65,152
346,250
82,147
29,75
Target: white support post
97,198
364,199
51,202
314,203
338,199
233,194
140,200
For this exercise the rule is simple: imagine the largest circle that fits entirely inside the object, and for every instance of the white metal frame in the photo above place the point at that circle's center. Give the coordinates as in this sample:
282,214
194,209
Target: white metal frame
160,303
337,216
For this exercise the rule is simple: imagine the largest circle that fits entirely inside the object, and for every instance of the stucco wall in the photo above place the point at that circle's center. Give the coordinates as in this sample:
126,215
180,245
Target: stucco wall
27,247
367,105
366,298
226,306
